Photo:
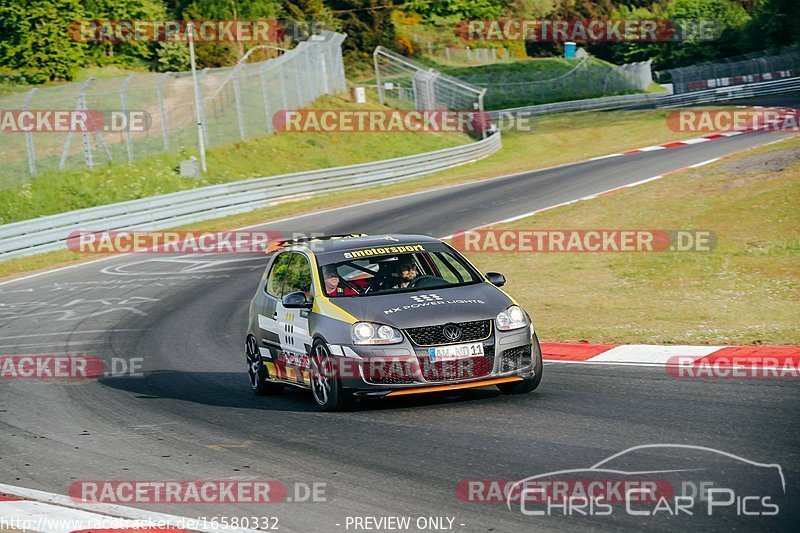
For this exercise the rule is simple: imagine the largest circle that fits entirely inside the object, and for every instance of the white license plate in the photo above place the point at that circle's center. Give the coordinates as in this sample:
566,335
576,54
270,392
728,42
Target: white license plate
456,351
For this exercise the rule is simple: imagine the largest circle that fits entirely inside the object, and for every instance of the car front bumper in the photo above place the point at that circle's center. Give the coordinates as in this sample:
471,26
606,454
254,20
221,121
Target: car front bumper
405,368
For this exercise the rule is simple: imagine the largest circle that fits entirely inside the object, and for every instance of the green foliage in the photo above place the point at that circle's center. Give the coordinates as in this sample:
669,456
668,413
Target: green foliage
774,24
125,53
467,9
173,57
231,9
35,41
365,25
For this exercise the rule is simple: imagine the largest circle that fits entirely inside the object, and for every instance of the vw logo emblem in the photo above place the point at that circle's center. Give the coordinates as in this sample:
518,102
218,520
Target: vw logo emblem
451,332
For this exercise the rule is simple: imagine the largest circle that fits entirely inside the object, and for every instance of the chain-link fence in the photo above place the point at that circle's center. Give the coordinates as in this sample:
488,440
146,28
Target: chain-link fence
518,85
406,84
464,54
755,67
236,103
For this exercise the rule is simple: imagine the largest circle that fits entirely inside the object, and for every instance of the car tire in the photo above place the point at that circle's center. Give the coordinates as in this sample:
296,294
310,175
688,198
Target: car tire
326,387
528,384
257,371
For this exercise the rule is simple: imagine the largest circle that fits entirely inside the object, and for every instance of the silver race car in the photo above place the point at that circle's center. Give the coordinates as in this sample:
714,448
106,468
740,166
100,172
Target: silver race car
358,316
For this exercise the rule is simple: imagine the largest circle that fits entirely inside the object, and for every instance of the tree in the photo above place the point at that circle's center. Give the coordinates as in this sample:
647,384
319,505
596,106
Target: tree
35,41
774,24
368,23
114,10
466,9
223,54
173,57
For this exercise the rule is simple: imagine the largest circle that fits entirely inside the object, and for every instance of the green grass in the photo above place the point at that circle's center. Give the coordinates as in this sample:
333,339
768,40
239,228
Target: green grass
744,292
54,191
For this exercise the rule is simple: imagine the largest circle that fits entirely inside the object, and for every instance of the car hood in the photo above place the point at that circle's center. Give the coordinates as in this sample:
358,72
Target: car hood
429,307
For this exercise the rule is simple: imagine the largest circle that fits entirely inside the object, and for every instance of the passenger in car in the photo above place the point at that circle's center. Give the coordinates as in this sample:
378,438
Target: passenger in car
331,280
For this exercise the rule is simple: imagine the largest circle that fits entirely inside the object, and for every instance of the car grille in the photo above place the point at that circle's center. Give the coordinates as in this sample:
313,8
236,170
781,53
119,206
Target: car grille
515,358
458,369
477,330
386,374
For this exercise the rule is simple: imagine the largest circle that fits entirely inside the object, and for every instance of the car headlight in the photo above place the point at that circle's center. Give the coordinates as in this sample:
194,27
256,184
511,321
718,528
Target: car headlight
371,333
512,318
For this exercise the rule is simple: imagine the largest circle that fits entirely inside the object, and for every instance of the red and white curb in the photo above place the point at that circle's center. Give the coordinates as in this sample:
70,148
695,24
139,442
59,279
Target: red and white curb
30,510
697,140
656,355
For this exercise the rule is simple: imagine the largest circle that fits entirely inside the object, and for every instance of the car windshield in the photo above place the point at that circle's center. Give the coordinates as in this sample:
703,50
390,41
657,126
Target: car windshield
393,273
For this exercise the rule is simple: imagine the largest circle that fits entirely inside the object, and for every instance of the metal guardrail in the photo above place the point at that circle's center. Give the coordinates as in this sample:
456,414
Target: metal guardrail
576,105
719,94
170,210
731,92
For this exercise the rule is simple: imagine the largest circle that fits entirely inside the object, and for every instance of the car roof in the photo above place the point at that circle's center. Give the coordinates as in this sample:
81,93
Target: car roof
342,243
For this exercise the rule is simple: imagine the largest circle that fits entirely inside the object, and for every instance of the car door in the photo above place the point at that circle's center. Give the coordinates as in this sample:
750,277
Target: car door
295,340
269,330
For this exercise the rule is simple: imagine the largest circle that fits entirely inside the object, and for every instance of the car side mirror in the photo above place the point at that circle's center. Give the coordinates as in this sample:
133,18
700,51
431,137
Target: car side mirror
296,300
496,279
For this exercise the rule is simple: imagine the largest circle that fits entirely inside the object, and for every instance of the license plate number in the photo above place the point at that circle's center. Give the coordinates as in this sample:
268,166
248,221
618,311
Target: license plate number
456,351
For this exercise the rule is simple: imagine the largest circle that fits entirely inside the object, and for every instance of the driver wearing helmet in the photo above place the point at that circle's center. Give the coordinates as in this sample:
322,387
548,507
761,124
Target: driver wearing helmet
408,272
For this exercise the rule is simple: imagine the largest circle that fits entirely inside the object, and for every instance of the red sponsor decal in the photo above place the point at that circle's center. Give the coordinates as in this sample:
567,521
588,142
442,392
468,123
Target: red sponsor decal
178,492
560,490
730,366
174,242
379,121
122,31
50,121
50,367
730,120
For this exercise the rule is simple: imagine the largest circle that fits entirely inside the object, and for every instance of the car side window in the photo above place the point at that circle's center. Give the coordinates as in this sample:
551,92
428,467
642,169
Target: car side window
276,275
450,268
298,276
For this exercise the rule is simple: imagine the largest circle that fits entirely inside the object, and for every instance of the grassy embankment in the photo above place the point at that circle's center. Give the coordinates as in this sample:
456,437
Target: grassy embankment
745,291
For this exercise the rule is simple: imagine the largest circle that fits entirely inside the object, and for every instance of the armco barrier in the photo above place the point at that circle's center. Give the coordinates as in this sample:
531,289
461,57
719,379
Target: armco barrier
576,105
731,92
660,100
170,210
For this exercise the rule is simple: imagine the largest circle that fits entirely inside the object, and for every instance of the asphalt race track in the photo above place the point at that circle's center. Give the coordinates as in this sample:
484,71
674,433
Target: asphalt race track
193,416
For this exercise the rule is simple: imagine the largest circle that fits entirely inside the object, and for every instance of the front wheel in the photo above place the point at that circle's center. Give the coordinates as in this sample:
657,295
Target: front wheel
326,387
528,384
257,372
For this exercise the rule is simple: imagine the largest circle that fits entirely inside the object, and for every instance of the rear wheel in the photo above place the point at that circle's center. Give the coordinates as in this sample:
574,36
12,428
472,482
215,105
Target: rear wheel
325,385
257,372
528,384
